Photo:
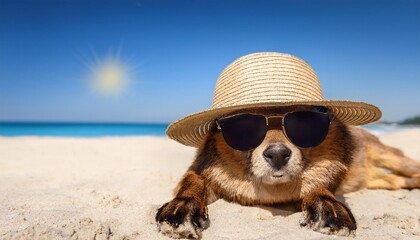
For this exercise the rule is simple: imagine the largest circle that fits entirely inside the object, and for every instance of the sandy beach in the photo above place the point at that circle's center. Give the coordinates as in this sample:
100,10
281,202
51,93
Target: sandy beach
110,188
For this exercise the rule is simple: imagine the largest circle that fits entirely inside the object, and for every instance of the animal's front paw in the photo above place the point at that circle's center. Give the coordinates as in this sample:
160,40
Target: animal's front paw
182,218
327,215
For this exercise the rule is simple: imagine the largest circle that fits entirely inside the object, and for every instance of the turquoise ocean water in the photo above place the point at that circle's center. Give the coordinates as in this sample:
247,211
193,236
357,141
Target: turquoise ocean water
118,129
82,129
380,129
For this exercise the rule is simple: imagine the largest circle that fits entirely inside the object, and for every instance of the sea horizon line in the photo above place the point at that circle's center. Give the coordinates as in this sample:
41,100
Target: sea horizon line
84,122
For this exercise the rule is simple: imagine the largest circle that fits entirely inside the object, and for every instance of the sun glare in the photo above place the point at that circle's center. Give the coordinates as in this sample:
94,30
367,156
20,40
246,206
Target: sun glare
110,75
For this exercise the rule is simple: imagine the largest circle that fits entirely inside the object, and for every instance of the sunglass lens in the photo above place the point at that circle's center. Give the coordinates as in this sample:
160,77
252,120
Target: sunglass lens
305,128
243,132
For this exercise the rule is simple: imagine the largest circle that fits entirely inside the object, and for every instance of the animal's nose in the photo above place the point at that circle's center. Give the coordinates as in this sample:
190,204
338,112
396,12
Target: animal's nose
277,155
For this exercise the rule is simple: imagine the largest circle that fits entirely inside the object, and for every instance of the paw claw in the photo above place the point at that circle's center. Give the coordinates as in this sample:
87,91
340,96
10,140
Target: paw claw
196,223
182,218
303,223
329,216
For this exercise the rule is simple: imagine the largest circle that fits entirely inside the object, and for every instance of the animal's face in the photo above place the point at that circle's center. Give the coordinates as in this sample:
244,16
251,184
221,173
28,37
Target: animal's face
276,159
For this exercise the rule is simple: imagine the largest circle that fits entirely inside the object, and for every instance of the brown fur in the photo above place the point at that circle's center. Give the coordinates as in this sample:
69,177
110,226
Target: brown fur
377,166
349,159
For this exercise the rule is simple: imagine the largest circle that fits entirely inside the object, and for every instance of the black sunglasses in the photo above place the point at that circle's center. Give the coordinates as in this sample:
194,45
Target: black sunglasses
246,131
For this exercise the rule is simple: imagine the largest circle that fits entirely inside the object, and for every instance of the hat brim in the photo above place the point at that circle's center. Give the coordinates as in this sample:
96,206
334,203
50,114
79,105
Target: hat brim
191,130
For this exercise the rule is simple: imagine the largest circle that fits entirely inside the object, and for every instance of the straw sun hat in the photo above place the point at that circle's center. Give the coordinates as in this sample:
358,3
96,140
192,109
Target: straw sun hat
267,79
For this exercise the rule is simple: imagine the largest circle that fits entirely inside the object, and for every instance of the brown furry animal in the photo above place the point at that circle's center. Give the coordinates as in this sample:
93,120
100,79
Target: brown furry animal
349,159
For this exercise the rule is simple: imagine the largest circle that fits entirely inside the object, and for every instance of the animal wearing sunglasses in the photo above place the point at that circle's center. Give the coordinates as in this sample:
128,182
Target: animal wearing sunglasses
290,154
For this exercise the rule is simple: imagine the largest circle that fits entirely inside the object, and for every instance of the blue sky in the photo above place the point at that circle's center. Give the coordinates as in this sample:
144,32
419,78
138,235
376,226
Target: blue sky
361,50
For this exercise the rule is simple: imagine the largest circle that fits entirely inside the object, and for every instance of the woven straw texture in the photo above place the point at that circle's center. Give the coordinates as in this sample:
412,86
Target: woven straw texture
266,80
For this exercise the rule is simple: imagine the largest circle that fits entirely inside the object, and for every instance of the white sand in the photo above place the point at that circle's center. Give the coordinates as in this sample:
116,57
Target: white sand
110,188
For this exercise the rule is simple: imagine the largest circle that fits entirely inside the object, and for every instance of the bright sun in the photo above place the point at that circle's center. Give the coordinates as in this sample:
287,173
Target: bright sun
110,76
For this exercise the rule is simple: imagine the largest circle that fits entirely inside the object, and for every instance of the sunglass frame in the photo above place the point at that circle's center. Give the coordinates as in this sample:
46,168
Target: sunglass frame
282,116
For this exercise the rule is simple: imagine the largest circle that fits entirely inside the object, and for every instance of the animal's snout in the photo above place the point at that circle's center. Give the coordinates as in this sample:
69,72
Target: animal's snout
277,155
